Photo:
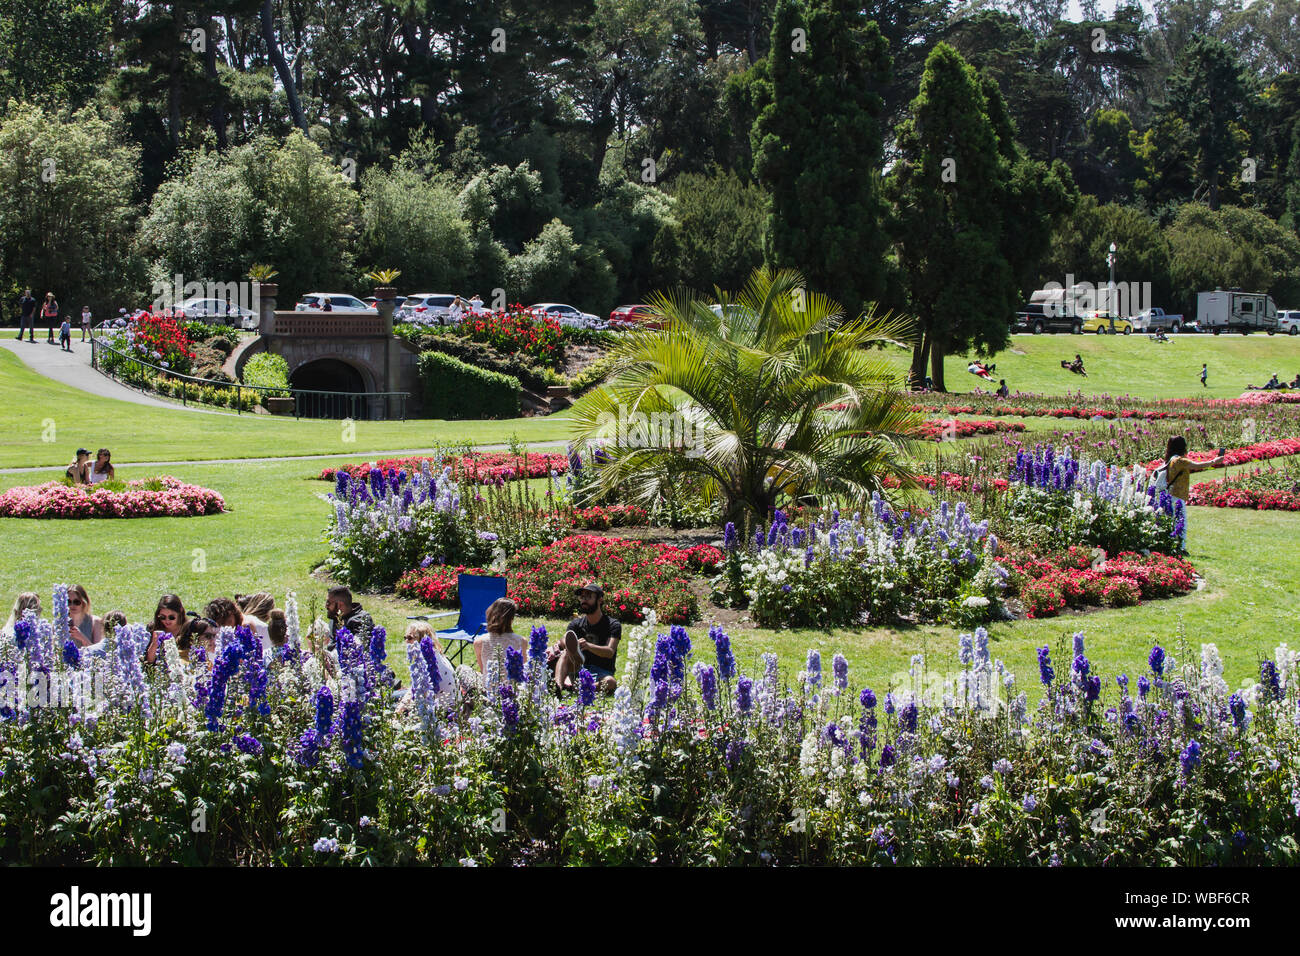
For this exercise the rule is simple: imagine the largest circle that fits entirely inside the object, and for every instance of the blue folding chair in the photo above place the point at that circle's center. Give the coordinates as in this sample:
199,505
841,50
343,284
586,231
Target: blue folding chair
477,592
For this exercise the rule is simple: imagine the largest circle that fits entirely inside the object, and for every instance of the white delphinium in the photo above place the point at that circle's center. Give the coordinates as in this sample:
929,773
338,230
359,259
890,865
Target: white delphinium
1212,671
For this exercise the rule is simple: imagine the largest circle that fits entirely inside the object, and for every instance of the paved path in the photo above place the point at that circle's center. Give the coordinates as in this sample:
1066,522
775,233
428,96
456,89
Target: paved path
396,453
73,368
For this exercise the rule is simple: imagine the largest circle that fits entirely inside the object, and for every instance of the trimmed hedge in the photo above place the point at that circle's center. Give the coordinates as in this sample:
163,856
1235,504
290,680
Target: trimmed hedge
531,374
268,370
453,389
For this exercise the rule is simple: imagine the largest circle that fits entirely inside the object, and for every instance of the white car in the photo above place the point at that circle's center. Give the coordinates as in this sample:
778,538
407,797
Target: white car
339,302
220,311
568,315
1288,321
427,308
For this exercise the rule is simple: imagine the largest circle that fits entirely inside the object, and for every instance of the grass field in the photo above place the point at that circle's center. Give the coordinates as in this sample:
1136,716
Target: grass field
272,536
1133,365
43,422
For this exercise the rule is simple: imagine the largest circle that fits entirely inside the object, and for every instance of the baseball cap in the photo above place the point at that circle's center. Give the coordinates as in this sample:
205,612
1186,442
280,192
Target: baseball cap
592,586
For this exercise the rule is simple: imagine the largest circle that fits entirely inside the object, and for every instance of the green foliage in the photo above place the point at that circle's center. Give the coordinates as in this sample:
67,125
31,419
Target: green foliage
1080,244
1232,248
264,201
67,190
52,52
824,106
519,365
454,389
268,370
720,229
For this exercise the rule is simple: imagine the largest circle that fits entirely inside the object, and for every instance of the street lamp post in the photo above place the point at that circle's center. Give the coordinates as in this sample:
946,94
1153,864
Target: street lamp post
1110,291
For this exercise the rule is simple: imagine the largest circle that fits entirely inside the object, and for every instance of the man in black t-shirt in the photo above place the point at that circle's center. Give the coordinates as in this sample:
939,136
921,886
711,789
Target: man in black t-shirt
590,641
27,316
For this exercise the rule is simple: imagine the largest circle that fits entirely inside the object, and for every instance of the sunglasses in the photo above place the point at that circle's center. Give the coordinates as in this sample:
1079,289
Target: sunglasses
75,602
169,617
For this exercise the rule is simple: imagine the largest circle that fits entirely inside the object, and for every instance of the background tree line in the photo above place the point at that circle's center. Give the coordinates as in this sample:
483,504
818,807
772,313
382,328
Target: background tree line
594,150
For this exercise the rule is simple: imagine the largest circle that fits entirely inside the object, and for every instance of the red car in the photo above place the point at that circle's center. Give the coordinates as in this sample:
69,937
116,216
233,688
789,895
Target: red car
634,316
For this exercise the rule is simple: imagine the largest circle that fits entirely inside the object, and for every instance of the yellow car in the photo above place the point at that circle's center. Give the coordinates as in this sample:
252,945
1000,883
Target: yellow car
1099,322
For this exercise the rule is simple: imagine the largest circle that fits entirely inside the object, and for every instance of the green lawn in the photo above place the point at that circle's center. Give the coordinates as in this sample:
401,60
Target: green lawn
44,422
1133,365
271,539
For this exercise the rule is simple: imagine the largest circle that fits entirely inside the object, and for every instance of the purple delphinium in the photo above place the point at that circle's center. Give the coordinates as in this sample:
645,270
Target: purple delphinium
722,647
907,717
1157,660
1092,688
1144,685
537,643
1046,673
226,666
1237,707
1268,679
378,639
586,688
509,704
308,751
71,653
840,668
248,744
744,695
887,756
430,655
1190,757
352,743
708,680
814,670
514,665
324,711
729,537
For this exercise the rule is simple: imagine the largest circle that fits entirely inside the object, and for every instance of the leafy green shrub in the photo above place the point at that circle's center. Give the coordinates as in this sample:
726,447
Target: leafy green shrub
222,344
267,370
530,373
453,389
591,376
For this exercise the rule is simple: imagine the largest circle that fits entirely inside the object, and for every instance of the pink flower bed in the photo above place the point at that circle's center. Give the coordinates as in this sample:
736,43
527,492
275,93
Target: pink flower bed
53,499
1260,451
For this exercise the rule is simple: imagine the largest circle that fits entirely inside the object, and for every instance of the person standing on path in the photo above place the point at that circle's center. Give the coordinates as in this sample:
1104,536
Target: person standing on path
1205,373
27,316
85,322
65,335
50,313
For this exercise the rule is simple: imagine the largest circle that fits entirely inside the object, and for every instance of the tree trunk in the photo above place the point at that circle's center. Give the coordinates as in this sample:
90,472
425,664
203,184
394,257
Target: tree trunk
217,115
936,366
920,359
282,67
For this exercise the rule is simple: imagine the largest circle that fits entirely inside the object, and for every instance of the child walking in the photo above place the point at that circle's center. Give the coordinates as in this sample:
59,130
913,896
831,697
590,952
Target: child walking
1205,373
65,335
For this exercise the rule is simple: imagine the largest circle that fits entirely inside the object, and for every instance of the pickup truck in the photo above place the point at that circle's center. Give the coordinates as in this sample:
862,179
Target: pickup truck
1153,319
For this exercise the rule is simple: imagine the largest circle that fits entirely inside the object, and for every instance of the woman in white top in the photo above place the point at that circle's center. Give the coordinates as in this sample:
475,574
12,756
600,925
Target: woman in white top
492,646
102,468
27,601
448,688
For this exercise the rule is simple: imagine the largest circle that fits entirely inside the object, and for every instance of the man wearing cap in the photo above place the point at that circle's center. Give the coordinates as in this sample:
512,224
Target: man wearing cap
590,641
79,470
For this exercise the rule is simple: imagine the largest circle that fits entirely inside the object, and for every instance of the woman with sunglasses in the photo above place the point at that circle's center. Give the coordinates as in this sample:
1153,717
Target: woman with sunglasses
101,469
198,632
84,627
168,618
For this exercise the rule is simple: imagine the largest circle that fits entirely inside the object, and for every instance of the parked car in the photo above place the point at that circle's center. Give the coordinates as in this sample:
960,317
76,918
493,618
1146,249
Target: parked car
1050,310
570,316
1099,322
339,302
634,317
221,311
427,307
1155,319
371,301
1288,321
1234,311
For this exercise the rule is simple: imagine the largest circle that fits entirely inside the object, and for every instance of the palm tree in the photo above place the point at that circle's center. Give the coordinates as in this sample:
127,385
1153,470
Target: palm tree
774,393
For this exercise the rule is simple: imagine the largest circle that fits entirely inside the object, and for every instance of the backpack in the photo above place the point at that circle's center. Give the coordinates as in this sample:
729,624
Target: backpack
1160,480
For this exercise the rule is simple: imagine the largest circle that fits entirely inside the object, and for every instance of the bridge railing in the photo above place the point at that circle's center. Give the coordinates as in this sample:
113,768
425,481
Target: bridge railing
301,402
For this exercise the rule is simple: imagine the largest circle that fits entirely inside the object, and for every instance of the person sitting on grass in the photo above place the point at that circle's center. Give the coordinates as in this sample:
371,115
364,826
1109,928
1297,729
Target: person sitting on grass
79,470
500,619
226,613
27,601
448,693
198,632
1003,391
101,469
261,605
85,629
590,642
168,618
344,612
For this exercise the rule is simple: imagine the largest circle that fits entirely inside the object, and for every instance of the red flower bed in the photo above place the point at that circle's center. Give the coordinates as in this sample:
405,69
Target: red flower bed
949,481
1222,493
1047,585
634,574
948,428
518,330
172,498
604,517
1260,451
477,467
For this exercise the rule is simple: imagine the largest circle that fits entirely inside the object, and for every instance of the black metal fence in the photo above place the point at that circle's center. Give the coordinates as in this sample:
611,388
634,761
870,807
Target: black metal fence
299,402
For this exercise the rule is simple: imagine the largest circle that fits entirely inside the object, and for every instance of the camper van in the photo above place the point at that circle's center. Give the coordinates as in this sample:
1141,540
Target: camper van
1234,311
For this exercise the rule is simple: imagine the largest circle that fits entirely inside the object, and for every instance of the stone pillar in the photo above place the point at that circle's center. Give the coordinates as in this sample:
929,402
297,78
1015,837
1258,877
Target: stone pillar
266,294
385,303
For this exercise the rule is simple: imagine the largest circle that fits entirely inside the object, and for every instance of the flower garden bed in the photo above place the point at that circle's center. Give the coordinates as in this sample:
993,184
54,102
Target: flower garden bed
1259,451
162,497
475,468
695,760
1048,584
945,429
634,574
1270,490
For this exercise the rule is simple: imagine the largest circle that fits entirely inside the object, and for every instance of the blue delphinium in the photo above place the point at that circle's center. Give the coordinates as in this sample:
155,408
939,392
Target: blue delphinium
744,695
722,647
324,711
509,705
352,743
71,653
537,642
378,640
430,655
1144,685
708,681
1081,667
840,668
735,751
1157,660
729,537
226,666
1237,707
1092,688
887,756
24,631
514,665
586,688
965,650
1190,757
1046,673
1078,643
907,717
248,744
62,628
308,751
1268,679
814,670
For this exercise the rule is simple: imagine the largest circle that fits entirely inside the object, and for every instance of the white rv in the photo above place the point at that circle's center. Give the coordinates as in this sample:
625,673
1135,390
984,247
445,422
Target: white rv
1232,311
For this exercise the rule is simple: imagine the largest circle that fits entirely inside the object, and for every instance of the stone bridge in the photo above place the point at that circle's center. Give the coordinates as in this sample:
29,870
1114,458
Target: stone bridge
341,352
